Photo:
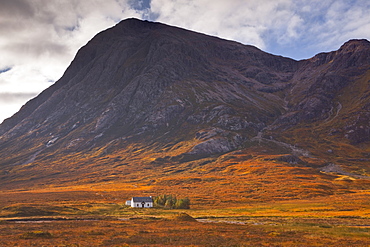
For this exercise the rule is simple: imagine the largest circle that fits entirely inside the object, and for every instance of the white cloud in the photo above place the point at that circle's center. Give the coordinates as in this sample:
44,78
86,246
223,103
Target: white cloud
10,103
244,21
293,28
324,26
54,30
39,38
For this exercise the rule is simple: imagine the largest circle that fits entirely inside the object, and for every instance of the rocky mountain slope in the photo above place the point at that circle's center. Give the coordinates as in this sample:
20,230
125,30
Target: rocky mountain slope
144,95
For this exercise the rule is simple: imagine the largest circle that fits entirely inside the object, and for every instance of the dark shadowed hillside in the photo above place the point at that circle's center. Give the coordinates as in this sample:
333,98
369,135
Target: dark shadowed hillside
158,105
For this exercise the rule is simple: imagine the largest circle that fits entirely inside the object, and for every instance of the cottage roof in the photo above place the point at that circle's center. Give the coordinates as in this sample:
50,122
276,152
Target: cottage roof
142,199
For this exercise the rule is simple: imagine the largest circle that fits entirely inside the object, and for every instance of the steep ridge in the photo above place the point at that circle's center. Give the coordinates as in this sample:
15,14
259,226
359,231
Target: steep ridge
328,106
146,94
321,78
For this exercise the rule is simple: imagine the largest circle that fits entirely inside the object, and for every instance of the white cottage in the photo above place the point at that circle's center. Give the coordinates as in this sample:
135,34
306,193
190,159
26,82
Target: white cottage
141,202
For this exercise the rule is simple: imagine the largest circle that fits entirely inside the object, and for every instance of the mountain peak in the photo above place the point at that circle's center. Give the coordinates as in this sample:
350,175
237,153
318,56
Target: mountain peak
354,44
134,23
354,52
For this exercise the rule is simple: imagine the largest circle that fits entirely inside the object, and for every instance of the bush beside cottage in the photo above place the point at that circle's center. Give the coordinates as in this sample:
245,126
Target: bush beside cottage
171,202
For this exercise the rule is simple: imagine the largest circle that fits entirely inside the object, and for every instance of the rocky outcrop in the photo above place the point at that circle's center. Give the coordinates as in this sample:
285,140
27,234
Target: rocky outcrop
216,141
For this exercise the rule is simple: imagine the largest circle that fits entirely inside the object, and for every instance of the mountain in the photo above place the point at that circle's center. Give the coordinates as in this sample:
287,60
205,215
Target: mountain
148,102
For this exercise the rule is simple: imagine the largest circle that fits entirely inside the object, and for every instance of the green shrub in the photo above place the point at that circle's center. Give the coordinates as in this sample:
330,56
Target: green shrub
171,202
183,203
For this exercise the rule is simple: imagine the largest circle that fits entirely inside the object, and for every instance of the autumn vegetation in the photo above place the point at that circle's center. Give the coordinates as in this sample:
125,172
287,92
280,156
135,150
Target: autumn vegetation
237,199
259,195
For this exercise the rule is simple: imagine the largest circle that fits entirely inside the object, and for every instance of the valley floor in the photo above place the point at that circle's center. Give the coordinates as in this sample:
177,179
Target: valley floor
80,218
153,231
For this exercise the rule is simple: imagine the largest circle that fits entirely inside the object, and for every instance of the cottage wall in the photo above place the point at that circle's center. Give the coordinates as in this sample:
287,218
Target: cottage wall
138,204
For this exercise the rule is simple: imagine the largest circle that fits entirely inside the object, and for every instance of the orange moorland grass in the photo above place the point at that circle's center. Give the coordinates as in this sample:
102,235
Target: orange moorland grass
239,199
154,227
96,216
173,232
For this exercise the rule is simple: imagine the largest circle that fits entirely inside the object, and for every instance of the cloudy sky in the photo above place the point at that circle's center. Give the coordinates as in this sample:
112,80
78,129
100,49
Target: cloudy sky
39,38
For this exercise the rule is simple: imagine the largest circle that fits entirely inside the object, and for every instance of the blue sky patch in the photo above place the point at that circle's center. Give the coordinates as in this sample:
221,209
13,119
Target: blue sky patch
6,69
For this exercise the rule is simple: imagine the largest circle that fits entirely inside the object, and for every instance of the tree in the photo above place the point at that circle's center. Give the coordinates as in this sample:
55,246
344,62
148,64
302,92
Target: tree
183,203
171,202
